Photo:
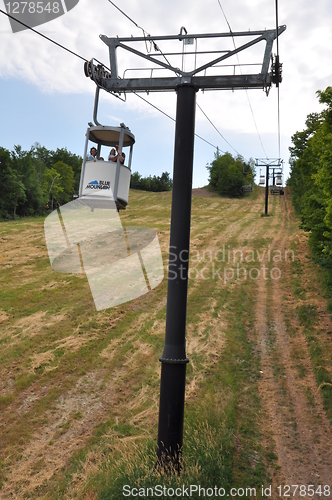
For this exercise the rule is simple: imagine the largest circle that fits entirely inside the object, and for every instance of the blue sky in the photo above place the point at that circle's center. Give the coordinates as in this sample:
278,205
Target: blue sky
46,98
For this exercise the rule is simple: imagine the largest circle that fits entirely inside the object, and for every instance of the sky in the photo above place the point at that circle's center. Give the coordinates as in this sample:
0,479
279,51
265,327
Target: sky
46,98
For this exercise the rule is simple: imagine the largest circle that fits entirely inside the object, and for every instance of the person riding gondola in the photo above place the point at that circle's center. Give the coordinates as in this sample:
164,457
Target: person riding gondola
93,154
112,156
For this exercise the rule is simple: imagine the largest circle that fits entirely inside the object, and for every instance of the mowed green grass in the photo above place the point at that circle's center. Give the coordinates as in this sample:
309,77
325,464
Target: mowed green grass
79,388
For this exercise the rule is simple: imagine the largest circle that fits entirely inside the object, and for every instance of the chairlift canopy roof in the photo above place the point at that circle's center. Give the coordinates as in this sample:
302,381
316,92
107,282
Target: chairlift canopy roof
110,136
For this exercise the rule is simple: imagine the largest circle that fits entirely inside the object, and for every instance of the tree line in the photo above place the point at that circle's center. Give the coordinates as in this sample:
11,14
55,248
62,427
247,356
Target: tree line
311,180
155,183
32,181
228,175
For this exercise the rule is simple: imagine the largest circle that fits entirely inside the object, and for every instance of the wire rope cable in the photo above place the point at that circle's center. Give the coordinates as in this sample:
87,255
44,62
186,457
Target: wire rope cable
222,10
145,100
86,60
145,33
44,36
277,25
278,90
237,55
173,119
217,130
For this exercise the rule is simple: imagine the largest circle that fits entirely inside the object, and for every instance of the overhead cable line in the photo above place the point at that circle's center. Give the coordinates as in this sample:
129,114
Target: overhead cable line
253,116
217,130
145,33
250,106
277,26
44,36
173,119
86,60
278,93
222,10
158,49
130,19
209,143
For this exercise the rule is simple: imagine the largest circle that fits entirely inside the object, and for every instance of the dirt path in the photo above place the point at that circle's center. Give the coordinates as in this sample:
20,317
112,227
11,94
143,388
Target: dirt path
299,432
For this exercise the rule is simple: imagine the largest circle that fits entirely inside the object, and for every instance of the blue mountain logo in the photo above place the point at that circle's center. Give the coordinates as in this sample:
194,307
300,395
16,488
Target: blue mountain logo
95,183
36,13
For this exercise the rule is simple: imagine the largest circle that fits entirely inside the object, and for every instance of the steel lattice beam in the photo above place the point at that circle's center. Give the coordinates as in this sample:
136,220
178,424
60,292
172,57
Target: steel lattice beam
196,78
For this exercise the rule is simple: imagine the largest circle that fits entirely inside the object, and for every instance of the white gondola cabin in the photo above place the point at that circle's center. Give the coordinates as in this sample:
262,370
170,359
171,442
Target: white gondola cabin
262,180
102,179
277,186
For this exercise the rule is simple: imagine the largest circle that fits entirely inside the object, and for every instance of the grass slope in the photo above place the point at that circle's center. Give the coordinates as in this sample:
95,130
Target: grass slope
79,388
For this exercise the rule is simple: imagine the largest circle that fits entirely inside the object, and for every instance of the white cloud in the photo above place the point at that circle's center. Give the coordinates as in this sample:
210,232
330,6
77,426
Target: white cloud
305,50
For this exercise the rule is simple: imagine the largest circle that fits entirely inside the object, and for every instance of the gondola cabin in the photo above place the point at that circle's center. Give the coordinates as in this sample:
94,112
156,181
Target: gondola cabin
247,188
261,180
279,180
106,169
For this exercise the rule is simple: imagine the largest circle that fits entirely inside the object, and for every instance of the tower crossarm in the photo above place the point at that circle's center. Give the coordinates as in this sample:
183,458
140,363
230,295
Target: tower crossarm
197,77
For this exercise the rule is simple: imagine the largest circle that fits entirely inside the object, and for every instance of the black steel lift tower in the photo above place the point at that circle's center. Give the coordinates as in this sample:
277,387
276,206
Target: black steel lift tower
207,74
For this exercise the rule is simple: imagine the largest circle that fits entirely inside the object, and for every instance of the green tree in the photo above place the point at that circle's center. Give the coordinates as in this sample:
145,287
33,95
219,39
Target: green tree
24,164
52,187
66,182
48,158
155,183
311,178
42,154
5,161
16,190
228,174
26,178
74,161
12,187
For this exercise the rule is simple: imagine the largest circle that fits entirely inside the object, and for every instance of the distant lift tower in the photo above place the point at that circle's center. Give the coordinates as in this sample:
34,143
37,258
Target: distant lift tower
212,68
273,166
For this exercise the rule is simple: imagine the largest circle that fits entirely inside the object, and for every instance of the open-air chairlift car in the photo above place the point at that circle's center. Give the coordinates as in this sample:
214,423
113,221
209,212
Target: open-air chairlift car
246,188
